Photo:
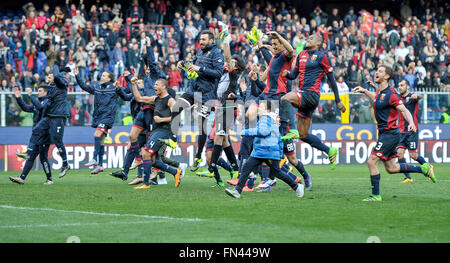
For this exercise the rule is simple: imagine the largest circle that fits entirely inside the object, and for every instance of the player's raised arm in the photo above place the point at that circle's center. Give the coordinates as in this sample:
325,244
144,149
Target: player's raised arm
21,102
362,90
84,86
284,42
137,96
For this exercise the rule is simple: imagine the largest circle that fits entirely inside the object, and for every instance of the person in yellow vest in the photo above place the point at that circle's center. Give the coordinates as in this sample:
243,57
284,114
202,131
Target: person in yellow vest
127,120
445,117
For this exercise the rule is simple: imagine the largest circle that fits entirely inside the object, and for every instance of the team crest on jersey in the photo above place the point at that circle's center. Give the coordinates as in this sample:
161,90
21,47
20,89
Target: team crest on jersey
313,57
382,96
407,100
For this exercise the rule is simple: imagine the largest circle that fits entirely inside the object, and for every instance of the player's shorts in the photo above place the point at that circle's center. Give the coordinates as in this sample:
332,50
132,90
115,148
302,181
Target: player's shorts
153,144
224,119
142,138
410,141
144,119
386,147
288,147
246,147
102,126
49,128
307,103
209,145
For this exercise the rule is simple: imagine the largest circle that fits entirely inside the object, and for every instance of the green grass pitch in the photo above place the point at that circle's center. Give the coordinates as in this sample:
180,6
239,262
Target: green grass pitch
105,209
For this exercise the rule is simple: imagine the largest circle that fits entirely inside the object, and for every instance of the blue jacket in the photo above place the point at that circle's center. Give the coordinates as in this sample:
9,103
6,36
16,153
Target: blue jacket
57,95
210,60
267,143
105,101
38,108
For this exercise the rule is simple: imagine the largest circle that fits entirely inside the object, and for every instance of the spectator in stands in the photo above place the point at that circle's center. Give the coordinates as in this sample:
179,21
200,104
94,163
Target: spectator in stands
13,115
78,114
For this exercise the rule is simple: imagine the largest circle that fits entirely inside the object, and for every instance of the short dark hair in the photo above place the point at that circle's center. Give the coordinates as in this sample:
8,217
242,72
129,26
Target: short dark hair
267,103
388,71
209,33
164,82
110,75
240,64
406,81
43,86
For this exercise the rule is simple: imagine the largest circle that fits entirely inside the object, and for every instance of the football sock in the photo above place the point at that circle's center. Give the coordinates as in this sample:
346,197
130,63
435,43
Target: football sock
315,142
217,175
201,144
224,164
408,168
147,165
375,181
421,160
217,150
63,154
140,170
402,162
265,170
301,169
97,144
231,157
164,167
129,157
101,152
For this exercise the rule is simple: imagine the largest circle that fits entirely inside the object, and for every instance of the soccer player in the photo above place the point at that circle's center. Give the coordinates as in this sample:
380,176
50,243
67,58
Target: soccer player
55,116
312,65
225,111
105,107
409,140
39,106
267,148
144,118
208,65
387,105
163,102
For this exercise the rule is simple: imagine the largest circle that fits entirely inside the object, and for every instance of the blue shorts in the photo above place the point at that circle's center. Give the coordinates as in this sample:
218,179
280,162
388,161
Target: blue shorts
144,119
153,144
102,125
410,141
386,147
46,128
307,103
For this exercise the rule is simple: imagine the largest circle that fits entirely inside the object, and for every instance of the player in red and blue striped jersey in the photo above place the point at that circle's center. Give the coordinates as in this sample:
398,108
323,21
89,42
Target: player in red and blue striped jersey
387,105
409,140
311,66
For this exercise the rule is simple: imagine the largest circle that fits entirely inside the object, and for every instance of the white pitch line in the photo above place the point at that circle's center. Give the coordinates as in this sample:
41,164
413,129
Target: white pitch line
82,224
101,213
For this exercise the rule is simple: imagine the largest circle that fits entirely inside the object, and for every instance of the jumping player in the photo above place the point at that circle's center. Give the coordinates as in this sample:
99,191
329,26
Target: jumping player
387,104
105,106
163,102
312,65
39,106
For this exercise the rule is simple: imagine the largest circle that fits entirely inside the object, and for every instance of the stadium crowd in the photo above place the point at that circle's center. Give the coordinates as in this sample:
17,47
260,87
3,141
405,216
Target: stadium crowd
103,37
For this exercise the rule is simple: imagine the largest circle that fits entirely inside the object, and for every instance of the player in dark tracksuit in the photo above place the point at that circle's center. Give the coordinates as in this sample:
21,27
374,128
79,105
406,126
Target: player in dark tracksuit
387,105
144,118
105,107
162,102
53,122
38,108
409,140
311,66
208,64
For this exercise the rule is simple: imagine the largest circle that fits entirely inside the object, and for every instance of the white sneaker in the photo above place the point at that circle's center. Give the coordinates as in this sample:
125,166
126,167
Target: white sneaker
268,183
183,167
300,191
48,182
162,180
91,163
233,193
